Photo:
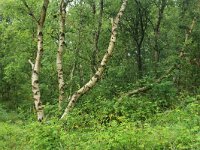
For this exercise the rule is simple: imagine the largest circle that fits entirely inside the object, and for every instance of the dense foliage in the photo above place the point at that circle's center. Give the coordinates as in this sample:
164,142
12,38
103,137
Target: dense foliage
153,35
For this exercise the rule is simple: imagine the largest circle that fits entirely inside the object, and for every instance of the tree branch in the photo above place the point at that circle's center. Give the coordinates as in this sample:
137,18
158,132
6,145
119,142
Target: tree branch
30,12
32,64
167,74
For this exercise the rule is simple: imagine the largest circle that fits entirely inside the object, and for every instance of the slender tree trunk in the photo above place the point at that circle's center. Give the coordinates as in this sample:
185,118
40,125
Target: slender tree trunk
102,66
61,82
96,35
139,62
78,48
36,66
138,29
157,35
35,76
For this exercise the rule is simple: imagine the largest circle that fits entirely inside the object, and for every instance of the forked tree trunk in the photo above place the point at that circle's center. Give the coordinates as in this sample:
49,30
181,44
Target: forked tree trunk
138,29
61,82
102,66
36,66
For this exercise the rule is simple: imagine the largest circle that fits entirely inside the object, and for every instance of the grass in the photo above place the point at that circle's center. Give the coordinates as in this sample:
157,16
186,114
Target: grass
171,130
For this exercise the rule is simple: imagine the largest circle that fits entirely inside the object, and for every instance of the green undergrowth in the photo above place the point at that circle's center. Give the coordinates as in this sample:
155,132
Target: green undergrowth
176,128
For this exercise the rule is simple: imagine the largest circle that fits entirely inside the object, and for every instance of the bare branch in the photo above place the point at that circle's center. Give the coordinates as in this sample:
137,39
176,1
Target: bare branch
32,64
30,12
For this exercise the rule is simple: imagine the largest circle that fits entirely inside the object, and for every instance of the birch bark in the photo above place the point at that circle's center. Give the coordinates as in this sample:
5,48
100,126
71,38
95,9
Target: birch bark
36,66
61,82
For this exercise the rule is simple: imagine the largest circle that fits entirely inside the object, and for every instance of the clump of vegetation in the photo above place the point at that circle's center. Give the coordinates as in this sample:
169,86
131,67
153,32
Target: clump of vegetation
172,129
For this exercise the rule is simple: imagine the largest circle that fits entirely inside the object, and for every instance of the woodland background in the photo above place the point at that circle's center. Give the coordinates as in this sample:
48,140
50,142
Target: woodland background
147,98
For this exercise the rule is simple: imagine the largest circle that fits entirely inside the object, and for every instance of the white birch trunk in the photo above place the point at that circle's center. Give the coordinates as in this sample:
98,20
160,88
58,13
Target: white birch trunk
102,66
61,82
36,66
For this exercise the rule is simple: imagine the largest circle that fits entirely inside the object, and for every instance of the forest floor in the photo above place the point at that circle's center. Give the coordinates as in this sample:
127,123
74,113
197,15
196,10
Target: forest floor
178,128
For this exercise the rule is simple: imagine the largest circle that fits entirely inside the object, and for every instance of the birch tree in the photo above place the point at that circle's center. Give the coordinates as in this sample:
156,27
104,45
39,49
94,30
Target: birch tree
63,5
36,66
92,82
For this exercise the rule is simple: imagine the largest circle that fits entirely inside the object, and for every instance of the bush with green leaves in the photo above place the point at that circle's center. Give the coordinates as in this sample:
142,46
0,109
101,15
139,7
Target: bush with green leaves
44,136
12,136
